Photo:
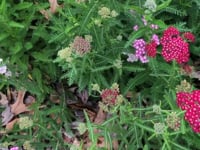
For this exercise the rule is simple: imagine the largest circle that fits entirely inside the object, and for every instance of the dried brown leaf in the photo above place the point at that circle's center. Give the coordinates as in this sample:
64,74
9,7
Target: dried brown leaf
53,6
54,97
3,100
68,138
10,125
7,115
29,100
19,106
52,10
101,116
115,144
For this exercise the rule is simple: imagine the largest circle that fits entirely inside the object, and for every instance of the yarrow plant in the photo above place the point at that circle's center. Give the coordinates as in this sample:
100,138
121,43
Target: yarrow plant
104,74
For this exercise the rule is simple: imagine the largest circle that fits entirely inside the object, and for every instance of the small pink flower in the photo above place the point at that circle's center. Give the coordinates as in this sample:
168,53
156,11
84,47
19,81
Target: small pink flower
135,28
14,148
154,26
155,38
144,21
3,69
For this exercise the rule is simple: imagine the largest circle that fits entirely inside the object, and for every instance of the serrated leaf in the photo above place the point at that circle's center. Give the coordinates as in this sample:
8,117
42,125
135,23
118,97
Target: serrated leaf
138,79
37,75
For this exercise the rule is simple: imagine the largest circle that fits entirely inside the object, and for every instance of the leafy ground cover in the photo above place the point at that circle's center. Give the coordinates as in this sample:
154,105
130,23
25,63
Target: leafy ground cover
99,74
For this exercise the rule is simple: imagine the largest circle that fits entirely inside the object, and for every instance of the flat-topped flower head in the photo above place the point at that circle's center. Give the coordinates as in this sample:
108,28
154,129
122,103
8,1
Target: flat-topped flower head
81,46
156,109
65,54
151,5
159,128
174,47
109,96
173,121
104,12
184,87
25,122
140,53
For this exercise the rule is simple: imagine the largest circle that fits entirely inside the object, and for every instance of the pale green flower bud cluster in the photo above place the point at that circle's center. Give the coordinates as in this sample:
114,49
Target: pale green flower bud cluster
6,144
159,128
27,146
156,109
105,12
65,54
25,122
173,121
184,87
150,5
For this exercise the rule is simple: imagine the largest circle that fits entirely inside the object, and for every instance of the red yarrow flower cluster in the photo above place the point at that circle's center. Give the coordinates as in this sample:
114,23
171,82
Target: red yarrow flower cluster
151,49
174,47
109,96
189,36
190,102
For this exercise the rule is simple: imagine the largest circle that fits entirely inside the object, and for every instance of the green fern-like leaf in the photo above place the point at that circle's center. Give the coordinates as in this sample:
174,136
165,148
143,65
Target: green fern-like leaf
175,11
137,80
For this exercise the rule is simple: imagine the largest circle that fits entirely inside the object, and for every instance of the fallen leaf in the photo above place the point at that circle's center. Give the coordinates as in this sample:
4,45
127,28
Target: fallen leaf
9,126
7,115
67,137
53,6
54,97
19,106
29,100
101,116
52,10
3,100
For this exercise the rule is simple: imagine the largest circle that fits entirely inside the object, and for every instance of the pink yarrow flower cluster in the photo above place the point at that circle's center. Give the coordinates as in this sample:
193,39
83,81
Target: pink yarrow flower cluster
190,102
174,47
140,52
